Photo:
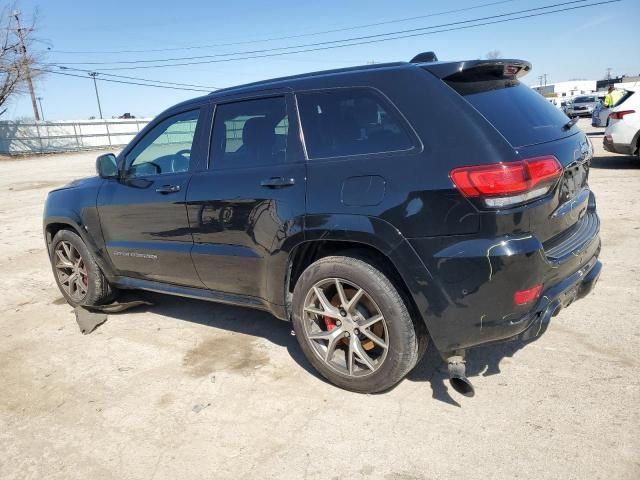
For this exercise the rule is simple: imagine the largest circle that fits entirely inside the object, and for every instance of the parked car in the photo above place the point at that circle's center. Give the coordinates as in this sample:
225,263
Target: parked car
582,106
600,116
623,132
377,208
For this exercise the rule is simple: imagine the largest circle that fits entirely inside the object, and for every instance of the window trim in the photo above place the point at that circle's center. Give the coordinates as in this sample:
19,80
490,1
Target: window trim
285,95
417,145
159,120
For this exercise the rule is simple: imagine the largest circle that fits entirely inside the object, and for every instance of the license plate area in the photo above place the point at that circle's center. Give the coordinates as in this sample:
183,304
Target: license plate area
574,180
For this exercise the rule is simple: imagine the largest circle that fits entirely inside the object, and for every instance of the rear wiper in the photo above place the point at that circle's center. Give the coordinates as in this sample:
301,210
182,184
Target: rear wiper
570,124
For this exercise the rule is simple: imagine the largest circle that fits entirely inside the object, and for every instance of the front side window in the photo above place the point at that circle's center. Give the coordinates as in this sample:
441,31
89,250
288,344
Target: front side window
350,121
250,133
166,148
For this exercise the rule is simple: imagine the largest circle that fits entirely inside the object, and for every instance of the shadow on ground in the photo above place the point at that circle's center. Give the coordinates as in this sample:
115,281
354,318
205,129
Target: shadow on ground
616,162
483,361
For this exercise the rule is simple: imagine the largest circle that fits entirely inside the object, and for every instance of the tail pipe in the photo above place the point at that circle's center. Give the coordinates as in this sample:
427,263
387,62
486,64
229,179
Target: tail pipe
458,377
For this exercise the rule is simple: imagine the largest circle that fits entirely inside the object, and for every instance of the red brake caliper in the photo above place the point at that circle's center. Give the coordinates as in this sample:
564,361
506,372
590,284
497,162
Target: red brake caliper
329,322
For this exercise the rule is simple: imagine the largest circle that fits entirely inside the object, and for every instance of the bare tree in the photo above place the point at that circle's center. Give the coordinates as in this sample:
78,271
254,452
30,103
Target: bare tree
18,65
493,54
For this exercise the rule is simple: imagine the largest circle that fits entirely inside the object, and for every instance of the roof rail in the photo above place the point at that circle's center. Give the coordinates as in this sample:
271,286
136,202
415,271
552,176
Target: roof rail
425,57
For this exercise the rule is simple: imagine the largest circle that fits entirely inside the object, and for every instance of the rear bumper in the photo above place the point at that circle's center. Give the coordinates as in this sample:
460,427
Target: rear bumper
610,146
473,281
573,288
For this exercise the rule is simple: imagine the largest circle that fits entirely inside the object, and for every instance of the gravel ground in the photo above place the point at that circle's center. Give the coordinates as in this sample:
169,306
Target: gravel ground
191,389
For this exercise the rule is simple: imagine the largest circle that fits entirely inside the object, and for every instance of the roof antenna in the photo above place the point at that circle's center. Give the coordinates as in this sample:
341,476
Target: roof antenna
424,57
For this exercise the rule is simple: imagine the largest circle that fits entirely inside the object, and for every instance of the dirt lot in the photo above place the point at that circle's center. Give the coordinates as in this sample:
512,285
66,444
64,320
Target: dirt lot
188,389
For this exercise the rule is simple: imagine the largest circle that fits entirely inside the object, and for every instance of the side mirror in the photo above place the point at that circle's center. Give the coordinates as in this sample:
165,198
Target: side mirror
107,166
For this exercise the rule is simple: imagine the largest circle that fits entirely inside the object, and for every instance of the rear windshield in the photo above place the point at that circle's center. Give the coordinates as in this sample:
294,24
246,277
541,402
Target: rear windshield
625,96
519,113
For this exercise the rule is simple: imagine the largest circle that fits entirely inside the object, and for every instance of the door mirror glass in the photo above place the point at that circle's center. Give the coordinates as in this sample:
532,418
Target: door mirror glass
107,166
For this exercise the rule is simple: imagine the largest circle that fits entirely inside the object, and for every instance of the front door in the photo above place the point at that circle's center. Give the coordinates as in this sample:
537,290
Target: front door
250,200
143,214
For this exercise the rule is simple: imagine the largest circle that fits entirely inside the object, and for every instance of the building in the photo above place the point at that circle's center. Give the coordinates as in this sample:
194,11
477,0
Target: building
566,90
618,82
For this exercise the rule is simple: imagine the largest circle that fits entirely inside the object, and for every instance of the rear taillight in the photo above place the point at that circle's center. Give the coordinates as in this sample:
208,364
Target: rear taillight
523,297
506,184
620,115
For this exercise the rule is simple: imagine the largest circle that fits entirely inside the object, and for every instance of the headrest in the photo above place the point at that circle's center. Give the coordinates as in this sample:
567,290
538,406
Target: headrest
257,131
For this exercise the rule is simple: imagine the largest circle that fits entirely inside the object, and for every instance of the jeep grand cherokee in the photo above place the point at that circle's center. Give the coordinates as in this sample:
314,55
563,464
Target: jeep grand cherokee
378,208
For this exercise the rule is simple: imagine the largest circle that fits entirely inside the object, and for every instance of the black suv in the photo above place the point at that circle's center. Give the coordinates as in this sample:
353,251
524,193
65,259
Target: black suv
375,207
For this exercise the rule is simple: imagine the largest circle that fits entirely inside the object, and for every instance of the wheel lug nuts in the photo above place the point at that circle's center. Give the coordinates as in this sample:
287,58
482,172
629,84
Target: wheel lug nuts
338,323
346,334
356,331
343,313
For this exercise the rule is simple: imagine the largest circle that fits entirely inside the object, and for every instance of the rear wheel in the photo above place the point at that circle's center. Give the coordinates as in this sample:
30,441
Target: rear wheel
77,274
353,325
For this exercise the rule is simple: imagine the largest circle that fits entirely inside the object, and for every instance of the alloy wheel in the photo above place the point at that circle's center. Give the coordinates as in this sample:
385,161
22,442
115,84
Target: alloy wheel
71,271
345,327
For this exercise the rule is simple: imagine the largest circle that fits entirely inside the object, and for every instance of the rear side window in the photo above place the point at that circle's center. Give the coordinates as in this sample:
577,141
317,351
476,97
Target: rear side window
250,133
350,121
520,114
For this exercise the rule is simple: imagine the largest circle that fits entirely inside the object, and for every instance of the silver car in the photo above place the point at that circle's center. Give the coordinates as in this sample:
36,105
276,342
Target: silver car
582,106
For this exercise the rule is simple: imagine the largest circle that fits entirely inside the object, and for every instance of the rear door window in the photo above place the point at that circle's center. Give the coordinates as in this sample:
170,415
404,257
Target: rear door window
350,121
250,133
520,114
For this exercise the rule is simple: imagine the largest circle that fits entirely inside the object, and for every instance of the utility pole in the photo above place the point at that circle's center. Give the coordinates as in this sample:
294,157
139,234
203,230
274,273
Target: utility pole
23,50
608,74
95,85
41,111
545,79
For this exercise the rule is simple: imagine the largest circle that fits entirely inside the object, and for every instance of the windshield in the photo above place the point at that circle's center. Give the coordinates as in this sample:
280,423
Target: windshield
584,99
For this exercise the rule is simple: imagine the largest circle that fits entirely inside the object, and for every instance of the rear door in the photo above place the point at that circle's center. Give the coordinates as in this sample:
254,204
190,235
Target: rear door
143,214
252,197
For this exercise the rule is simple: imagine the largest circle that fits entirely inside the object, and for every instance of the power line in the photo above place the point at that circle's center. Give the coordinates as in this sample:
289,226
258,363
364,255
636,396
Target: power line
288,37
208,88
366,42
117,81
328,42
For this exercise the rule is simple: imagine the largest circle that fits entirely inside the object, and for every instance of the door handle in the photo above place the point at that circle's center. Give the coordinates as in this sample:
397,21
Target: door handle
165,189
277,182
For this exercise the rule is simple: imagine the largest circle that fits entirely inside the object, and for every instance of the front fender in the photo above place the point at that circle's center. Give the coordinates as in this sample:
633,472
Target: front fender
75,208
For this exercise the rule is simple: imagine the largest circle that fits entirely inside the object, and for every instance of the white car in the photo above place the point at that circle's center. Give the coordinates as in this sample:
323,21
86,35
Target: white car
623,132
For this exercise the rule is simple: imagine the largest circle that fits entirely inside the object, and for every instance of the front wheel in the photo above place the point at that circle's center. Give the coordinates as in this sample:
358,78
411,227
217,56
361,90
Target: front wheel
353,325
77,274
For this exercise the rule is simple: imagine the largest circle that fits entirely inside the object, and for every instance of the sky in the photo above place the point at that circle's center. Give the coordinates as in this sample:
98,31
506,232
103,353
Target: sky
581,43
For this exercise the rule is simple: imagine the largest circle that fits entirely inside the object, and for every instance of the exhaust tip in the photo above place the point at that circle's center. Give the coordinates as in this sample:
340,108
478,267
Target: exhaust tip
457,376
463,386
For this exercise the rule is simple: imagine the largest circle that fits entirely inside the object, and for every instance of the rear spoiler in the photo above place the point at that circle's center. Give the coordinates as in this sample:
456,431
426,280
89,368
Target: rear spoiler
505,68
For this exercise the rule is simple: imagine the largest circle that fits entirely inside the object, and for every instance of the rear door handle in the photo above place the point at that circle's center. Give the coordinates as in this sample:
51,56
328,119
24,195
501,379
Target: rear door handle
277,182
165,189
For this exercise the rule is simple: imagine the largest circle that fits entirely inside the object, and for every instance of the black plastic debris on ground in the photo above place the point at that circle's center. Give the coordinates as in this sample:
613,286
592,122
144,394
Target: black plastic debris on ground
88,321
90,318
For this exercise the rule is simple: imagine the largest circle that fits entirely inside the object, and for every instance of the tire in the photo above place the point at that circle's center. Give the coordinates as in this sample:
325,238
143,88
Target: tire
75,257
353,355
